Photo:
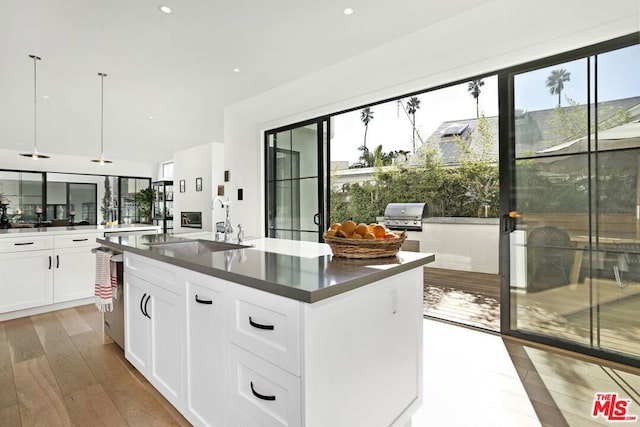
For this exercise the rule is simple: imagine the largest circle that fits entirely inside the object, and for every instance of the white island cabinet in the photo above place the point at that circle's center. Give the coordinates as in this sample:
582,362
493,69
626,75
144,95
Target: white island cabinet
243,356
154,324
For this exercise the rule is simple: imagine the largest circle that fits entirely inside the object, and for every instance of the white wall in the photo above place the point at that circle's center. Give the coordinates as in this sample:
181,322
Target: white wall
204,161
485,39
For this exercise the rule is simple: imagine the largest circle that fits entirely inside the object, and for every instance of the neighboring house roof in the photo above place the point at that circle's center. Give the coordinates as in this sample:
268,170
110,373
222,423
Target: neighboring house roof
533,133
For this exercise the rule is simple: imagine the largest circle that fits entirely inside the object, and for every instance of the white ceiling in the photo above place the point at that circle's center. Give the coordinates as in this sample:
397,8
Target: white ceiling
176,68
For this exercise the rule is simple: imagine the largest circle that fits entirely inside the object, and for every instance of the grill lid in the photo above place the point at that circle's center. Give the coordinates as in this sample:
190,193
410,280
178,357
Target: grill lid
404,216
405,210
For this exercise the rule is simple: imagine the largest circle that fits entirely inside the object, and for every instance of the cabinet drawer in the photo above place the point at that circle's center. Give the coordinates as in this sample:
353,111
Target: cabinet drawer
76,240
159,273
237,418
267,325
265,393
23,244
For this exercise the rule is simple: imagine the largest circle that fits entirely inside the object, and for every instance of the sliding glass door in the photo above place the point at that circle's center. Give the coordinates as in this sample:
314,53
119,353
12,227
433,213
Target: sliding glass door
574,243
295,174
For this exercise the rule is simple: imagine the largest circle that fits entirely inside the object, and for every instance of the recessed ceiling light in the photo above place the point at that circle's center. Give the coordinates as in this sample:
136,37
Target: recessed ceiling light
236,70
348,11
151,117
165,9
46,97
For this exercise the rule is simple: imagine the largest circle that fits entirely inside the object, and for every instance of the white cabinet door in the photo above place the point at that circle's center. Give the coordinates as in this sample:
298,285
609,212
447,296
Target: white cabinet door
166,312
26,279
75,270
206,355
136,332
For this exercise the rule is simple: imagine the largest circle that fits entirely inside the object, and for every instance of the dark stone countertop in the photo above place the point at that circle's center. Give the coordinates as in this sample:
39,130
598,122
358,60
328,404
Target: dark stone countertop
303,271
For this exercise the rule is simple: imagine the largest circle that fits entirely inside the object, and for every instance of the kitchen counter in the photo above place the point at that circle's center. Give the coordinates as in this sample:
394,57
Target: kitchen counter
120,228
303,271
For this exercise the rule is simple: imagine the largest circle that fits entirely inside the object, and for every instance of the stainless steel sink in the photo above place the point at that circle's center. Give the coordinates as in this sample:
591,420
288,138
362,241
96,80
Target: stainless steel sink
196,246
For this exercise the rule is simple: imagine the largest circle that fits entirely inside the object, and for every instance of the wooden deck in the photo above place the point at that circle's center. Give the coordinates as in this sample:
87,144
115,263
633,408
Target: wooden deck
596,313
463,297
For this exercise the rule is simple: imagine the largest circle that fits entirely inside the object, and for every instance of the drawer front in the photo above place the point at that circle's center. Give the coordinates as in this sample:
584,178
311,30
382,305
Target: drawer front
155,272
237,418
76,240
24,244
267,325
266,394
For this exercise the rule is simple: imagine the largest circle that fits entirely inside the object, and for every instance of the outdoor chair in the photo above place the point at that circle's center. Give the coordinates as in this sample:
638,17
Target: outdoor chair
628,262
550,254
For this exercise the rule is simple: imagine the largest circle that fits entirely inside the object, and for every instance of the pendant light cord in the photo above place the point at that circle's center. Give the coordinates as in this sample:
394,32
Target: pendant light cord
35,103
102,76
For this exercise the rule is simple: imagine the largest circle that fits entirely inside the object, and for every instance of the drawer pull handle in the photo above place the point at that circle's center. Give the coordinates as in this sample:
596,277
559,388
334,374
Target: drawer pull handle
23,243
260,326
203,301
261,396
57,261
49,262
80,240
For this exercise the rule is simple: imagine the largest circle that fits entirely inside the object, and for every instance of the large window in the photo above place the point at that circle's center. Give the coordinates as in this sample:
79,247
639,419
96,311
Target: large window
576,264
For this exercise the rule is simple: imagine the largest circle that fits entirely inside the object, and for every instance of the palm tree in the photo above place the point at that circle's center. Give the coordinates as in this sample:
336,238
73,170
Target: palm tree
412,106
366,115
555,82
474,90
376,157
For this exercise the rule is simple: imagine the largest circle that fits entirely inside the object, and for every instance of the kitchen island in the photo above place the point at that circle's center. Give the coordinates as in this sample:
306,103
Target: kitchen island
280,333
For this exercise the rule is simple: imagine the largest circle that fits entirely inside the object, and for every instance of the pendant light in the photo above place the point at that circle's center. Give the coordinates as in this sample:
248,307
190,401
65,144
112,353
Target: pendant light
101,159
35,155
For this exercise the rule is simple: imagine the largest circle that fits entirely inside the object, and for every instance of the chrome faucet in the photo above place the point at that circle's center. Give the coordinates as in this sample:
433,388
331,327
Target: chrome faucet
228,229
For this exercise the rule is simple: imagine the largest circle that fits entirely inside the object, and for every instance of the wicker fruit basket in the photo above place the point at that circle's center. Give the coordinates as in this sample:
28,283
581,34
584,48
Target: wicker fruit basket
364,249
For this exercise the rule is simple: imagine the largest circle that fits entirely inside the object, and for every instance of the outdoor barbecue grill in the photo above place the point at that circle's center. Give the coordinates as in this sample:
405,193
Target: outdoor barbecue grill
405,216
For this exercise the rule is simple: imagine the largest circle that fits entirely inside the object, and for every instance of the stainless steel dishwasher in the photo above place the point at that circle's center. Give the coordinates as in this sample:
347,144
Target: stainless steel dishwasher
113,321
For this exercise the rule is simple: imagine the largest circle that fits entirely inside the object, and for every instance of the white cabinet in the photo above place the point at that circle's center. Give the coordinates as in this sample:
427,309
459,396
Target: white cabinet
74,266
41,270
26,280
154,325
248,358
206,350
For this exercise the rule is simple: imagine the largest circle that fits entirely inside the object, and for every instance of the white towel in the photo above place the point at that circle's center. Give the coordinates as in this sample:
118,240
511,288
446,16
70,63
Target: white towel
105,281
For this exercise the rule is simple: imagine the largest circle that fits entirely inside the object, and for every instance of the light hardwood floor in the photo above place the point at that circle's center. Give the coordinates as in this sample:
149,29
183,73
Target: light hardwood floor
55,371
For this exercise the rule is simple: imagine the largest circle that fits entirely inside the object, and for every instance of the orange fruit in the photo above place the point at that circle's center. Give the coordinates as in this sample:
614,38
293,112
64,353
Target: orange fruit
379,231
335,226
370,227
356,236
330,233
362,229
369,236
348,227
341,233
390,236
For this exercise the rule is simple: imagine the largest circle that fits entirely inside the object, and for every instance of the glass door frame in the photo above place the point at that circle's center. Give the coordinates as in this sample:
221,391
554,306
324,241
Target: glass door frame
507,162
323,166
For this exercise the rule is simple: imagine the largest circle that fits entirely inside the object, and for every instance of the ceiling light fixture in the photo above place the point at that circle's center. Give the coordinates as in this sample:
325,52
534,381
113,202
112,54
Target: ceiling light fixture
35,155
236,70
348,11
101,160
165,9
